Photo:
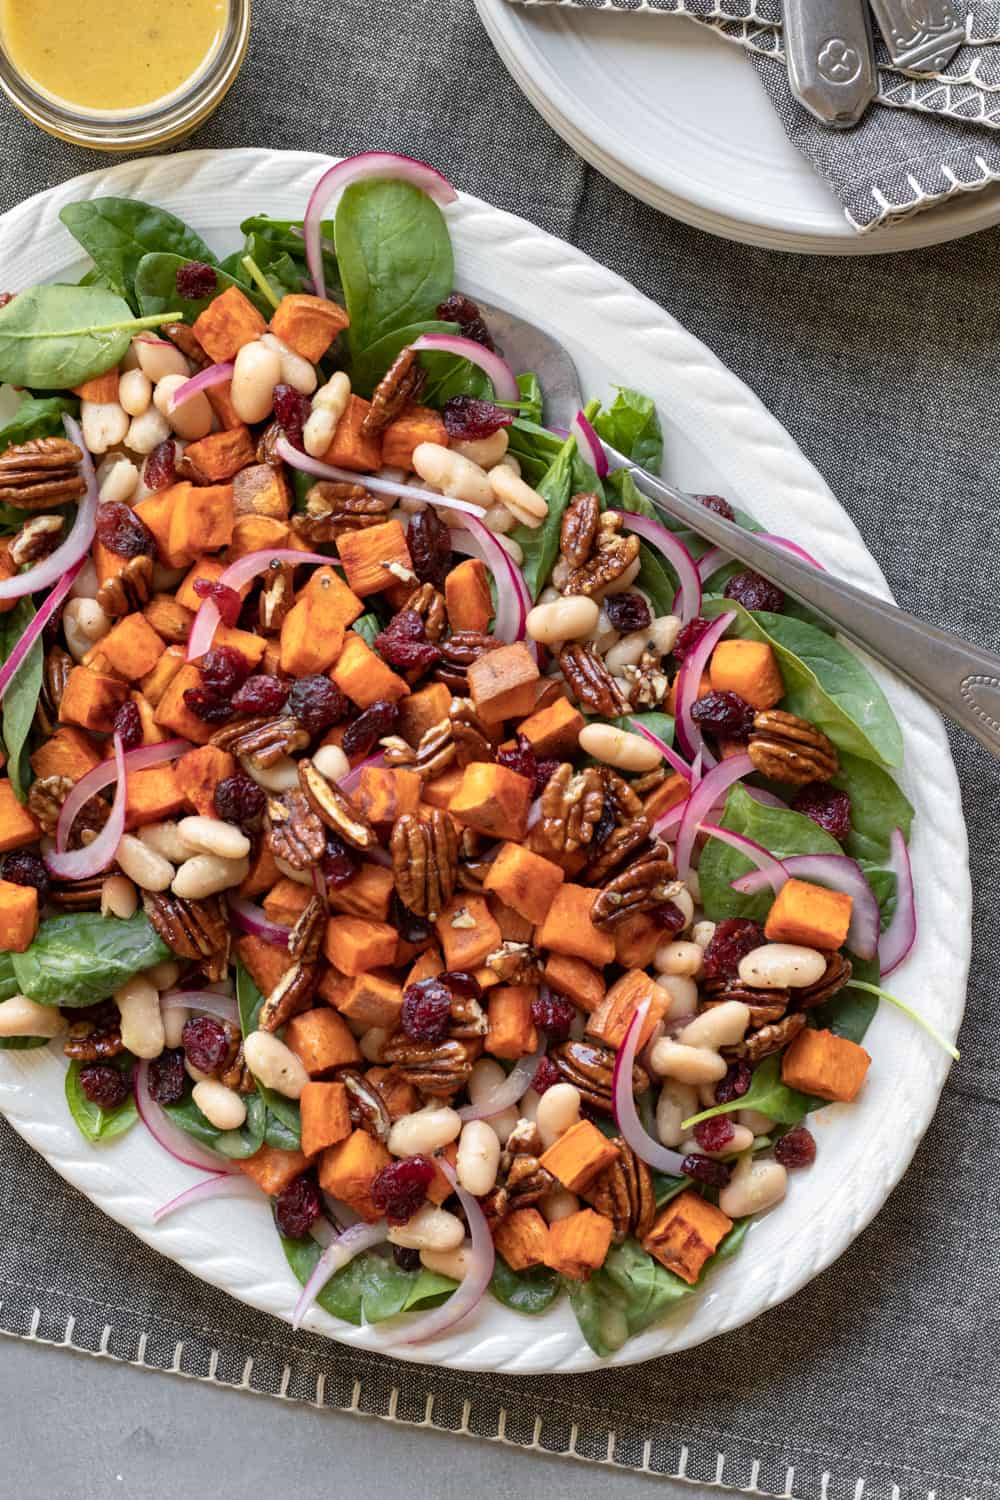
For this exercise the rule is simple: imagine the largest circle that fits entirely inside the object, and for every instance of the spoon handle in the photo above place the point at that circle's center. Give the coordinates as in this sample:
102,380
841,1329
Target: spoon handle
925,44
831,67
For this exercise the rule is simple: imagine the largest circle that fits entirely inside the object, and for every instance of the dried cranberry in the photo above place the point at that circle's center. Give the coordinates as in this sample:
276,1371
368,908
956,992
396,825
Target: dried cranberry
401,1187
260,695
224,669
24,868
227,600
105,1086
208,706
297,1207
317,703
196,281
123,532
128,724
827,806
552,1014
406,1259
426,1010
731,941
720,506
704,1169
627,612
689,637
205,1043
340,862
546,1075
544,771
458,982
755,592
605,824
796,1149
403,643
429,541
160,471
464,312
724,714
238,799
668,914
468,419
522,759
734,1084
167,1076
714,1135
361,737
291,412
411,927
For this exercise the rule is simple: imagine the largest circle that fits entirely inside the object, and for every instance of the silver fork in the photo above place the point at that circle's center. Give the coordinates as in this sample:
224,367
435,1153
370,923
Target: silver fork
962,681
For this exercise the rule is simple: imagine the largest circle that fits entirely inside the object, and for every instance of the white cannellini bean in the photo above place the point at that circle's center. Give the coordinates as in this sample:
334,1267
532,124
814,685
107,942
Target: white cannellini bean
659,635
684,902
331,762
274,1064
742,1141
84,623
779,966
141,1021
164,839
569,619
478,1158
453,1263
193,419
158,357
256,371
486,452
372,1042
213,836
425,1131
135,392
119,897
165,975
722,1026
677,1102
222,1107
430,1228
558,1204
103,424
754,1186
616,747
281,777
328,406
120,481
141,863
301,877
680,959
702,933
756,1122
174,1021
85,584
624,581
147,432
683,994
452,474
528,1105
206,874
670,1059
296,370
485,1078
524,503
558,1110
513,549
20,1016
509,461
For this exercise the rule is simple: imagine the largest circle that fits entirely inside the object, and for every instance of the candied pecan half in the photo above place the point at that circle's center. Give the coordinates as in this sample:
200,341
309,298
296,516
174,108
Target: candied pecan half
335,808
45,799
334,506
646,883
36,539
198,930
590,1067
787,748
402,383
265,739
471,737
578,531
187,342
623,1192
428,602
771,1038
438,1069
292,994
77,895
94,1039
591,683
306,938
571,807
40,473
838,972
514,963
425,861
367,1107
129,589
609,559
294,831
55,675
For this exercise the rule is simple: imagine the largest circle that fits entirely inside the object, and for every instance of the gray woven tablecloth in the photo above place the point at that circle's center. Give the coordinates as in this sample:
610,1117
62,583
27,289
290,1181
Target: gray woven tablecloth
880,1378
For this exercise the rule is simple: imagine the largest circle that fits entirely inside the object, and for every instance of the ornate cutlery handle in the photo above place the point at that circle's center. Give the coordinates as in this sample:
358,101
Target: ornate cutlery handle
828,48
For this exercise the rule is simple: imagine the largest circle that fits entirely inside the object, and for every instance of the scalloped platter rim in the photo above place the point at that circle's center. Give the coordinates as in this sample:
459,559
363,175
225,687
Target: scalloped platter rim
720,437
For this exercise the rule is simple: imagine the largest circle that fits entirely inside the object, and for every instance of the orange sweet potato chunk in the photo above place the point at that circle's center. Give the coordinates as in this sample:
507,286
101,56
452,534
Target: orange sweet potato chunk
399,1097
91,699
152,795
272,1170
525,881
385,793
373,1000
511,1033
748,668
579,1244
363,676
156,682
201,521
351,448
513,927
348,1169
220,456
704,688
227,323
611,1020
308,324
577,980
173,713
686,1233
262,874
256,534
417,424
18,826
422,710
336,604
467,596
466,931
307,648
809,914
578,1155
493,799
368,894
502,683
636,940
366,554
553,731
102,389
132,647
286,901
821,1063
439,792
199,772
18,916
265,962
261,490
66,753
157,512
322,1040
521,1238
356,944
667,795
326,1118
568,929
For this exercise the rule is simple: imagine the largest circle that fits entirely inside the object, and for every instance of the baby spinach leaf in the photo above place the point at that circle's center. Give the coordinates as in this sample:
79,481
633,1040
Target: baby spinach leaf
8,979
368,627
269,239
283,1122
367,366
236,1144
530,1291
780,830
276,1132
662,725
630,1292
850,1013
96,1124
535,448
768,1094
540,544
877,807
156,289
395,258
81,958
656,577
369,1288
22,1043
631,425
824,682
248,1000
117,232
733,1240
21,698
37,417
56,337
531,396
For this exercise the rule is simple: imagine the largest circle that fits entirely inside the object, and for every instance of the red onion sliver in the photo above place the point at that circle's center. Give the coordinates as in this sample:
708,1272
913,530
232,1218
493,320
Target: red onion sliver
38,623
784,545
766,799
254,920
492,365
365,164
670,820
689,735
51,569
770,871
218,1185
299,460
203,381
517,1082
900,935
336,1255
350,782
469,1293
103,775
702,798
589,444
205,1002
79,864
623,1100
677,555
171,1137
513,596
711,561
207,620
837,871
669,755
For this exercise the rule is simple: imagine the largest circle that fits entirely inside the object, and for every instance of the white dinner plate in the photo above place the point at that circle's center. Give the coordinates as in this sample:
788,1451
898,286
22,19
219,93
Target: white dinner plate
676,115
718,438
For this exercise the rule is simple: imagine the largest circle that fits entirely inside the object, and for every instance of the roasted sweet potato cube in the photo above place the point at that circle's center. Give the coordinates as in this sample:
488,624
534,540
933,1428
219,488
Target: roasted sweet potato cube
173,713
333,987
809,914
261,490
91,699
265,962
439,792
439,1188
502,683
466,931
326,1118
199,772
422,710
247,642
427,966
822,1063
578,1155
636,940
152,795
366,556
156,682
308,324
18,826
363,676
416,425
307,647
157,511
351,448
227,323
202,521
704,688
286,901
336,604
356,944
399,1096
521,1238
568,929
262,874
748,668
385,793
575,979
524,881
170,619
513,927
686,1233
373,1000
611,1020
467,596
220,399
322,1040
494,800
668,794
256,534
272,1169
66,753
132,647
579,1244
348,1170
553,731
18,916
102,390
369,894
511,1031
220,456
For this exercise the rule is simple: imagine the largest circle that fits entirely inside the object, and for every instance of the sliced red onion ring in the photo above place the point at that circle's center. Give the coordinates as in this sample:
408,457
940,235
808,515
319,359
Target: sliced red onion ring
497,369
203,381
513,596
623,1099
701,800
206,1002
517,1082
670,821
669,755
770,870
711,561
218,1185
901,933
207,620
677,555
79,864
355,169
51,569
255,921
37,625
103,775
336,1255
534,813
298,460
840,873
698,766
784,545
766,799
469,1293
689,736
352,780
171,1137
589,444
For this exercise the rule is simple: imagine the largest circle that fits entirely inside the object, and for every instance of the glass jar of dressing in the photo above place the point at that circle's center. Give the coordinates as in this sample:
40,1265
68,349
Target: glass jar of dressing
121,77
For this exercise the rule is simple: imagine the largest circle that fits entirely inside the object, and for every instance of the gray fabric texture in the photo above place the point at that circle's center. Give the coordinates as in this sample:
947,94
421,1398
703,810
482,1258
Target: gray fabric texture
881,1373
925,139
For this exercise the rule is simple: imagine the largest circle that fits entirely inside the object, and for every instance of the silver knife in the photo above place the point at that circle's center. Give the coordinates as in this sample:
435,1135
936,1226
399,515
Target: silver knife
921,35
831,65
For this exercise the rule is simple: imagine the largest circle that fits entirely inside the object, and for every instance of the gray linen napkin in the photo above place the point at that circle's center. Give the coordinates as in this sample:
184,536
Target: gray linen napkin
926,138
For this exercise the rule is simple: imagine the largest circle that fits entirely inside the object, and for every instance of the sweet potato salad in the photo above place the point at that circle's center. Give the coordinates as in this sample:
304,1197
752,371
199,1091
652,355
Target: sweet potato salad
399,819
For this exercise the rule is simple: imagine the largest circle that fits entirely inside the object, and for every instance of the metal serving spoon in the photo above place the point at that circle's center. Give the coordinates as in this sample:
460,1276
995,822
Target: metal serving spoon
961,680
